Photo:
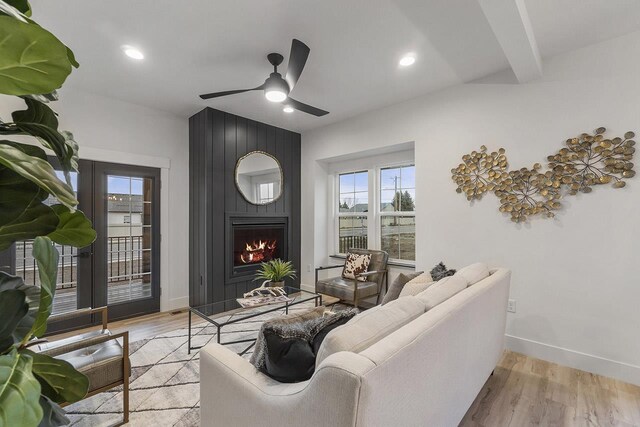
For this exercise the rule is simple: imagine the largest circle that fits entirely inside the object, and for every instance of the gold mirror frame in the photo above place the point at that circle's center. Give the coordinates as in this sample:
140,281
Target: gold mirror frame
235,177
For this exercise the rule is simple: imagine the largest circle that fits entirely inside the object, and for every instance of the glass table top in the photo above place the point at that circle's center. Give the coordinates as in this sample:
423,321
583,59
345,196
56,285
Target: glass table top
230,311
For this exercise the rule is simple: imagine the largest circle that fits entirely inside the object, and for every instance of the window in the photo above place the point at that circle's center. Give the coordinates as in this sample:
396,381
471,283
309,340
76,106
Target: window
265,192
397,212
387,203
353,210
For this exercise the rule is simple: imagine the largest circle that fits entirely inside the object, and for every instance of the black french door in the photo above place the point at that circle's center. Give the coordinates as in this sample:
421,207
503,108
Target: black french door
121,269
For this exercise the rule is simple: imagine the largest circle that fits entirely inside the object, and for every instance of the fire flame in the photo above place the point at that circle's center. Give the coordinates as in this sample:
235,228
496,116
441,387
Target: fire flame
258,251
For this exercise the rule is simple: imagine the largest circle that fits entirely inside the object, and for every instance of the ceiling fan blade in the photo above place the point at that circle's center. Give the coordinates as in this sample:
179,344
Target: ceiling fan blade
229,92
297,59
305,108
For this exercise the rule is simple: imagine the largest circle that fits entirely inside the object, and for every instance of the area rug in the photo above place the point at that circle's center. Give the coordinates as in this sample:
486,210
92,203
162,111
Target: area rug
164,388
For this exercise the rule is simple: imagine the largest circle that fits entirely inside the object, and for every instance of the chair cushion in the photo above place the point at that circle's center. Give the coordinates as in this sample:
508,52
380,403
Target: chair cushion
71,341
474,273
344,288
441,291
354,265
370,326
101,363
398,284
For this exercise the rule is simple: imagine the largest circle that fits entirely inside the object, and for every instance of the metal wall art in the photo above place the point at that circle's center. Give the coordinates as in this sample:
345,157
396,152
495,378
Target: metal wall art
586,161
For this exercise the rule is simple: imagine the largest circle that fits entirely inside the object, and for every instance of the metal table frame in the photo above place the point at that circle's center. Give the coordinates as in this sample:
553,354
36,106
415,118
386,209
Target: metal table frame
317,298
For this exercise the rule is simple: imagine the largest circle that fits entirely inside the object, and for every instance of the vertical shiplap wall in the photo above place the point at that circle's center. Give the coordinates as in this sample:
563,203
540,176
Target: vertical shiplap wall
216,141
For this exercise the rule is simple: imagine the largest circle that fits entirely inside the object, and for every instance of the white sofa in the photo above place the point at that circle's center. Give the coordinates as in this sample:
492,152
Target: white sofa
426,373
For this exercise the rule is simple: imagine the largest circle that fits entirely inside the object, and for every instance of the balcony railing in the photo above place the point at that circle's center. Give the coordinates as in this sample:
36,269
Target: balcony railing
347,242
125,255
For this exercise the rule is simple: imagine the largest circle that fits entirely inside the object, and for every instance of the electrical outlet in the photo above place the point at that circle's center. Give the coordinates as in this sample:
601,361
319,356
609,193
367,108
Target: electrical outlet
308,268
511,306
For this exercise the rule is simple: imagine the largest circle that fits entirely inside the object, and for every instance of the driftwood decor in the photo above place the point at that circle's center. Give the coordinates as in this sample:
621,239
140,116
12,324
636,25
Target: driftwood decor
586,161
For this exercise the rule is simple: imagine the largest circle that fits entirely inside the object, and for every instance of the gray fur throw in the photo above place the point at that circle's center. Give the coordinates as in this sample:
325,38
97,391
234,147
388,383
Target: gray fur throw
440,271
304,326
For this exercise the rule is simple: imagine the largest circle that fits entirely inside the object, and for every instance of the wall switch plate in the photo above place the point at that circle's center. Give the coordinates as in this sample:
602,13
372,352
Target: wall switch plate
511,306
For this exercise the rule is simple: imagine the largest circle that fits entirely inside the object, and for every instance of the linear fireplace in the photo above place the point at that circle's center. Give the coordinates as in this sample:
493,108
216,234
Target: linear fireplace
254,240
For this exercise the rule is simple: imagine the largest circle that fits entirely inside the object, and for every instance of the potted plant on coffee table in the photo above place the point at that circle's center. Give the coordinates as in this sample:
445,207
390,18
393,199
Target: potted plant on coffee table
275,271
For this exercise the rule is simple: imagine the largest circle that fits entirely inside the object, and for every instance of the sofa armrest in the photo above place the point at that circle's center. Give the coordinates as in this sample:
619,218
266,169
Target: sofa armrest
234,392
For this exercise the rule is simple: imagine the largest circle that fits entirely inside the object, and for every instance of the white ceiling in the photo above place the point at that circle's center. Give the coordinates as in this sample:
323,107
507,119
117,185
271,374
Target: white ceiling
201,46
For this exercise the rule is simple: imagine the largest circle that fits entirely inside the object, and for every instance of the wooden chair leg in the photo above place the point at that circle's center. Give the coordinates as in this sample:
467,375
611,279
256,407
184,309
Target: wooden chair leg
355,299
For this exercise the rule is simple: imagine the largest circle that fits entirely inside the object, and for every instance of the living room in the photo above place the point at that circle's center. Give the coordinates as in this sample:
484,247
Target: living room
423,216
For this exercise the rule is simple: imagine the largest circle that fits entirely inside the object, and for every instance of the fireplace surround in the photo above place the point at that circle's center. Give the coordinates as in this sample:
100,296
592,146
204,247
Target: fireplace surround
253,240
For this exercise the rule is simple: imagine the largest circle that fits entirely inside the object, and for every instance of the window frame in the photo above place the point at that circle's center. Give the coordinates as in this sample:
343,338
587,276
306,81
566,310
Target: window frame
374,212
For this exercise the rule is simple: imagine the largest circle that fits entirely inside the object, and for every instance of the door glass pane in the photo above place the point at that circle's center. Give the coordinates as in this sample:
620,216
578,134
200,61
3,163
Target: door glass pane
66,295
129,220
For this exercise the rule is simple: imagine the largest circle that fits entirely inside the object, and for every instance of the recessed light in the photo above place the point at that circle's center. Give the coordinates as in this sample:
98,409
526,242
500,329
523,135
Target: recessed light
288,109
132,52
407,60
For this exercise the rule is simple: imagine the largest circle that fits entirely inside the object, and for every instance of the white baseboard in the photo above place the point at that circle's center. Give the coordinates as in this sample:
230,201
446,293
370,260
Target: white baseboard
308,288
586,362
176,303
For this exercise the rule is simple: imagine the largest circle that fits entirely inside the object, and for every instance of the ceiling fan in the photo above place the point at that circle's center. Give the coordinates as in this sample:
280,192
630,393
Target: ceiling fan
277,89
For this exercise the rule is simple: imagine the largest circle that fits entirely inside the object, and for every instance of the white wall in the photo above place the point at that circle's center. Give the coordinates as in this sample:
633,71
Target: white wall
114,131
574,277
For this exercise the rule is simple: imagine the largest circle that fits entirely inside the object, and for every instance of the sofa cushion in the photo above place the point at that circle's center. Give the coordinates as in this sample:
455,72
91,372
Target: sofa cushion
345,288
370,326
442,290
398,284
474,273
356,264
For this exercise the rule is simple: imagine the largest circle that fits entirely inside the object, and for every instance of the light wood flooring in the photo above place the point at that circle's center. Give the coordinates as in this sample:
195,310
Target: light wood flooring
522,392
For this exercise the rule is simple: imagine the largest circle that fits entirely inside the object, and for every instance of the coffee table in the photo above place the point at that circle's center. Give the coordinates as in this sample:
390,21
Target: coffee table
228,312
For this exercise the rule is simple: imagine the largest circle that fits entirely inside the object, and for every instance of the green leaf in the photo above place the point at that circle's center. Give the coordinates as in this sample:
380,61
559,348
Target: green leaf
22,5
13,308
46,256
32,60
59,380
32,293
37,171
74,229
19,391
40,120
54,415
7,9
72,58
22,214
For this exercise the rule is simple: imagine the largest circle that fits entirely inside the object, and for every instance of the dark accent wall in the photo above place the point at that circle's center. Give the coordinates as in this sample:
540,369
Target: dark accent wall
216,141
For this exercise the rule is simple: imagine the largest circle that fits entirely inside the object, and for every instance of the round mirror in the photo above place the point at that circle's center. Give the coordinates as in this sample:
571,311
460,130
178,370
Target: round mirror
259,178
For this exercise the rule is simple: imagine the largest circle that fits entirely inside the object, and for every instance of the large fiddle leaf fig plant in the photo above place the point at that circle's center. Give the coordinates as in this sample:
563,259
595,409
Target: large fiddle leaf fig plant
33,65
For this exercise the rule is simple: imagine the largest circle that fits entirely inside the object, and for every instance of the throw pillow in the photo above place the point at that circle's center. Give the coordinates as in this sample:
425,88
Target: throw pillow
415,288
441,291
398,284
354,265
440,271
286,352
474,273
370,326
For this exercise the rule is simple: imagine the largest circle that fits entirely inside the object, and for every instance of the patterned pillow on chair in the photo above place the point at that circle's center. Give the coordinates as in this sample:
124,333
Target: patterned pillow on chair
356,264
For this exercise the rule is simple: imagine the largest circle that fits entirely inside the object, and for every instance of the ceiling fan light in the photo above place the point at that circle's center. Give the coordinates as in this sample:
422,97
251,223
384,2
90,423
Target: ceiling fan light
288,109
275,95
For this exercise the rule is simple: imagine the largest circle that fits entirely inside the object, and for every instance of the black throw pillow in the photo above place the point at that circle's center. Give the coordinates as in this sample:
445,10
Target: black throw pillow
288,360
440,271
288,350
320,336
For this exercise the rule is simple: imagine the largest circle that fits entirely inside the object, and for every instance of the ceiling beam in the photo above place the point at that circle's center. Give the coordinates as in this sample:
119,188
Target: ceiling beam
511,25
